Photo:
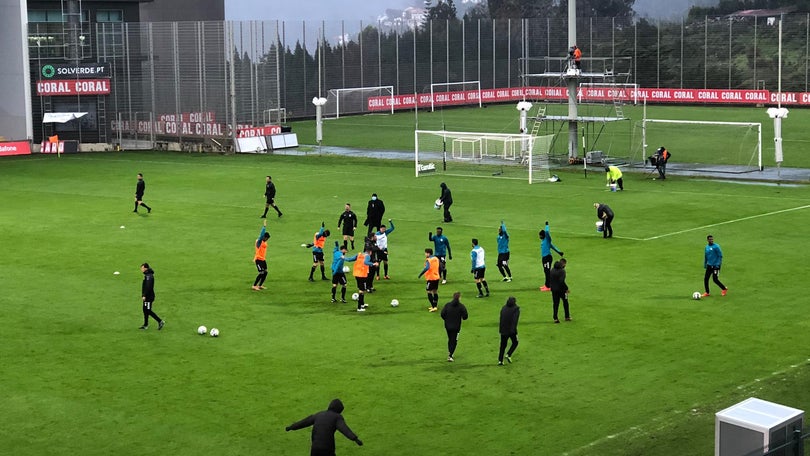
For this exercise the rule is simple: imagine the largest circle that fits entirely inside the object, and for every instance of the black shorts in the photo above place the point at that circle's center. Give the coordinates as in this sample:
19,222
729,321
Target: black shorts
339,278
271,201
503,259
479,273
361,283
148,304
261,265
382,255
139,197
432,285
317,257
348,230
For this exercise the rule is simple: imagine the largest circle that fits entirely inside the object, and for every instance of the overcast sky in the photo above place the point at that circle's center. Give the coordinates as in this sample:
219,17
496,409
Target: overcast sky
289,10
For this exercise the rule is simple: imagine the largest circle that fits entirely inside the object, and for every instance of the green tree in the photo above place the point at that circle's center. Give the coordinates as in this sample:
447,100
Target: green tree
444,10
517,9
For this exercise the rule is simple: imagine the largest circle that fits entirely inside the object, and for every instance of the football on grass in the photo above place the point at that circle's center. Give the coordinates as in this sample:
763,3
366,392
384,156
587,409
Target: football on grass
345,269
202,330
355,296
214,332
394,303
696,295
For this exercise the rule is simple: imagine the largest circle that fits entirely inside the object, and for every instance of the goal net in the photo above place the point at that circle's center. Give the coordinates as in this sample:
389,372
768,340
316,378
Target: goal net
518,156
729,147
359,100
454,93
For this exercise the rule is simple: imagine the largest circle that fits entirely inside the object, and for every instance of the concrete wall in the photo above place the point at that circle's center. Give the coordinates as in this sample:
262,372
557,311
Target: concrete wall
15,88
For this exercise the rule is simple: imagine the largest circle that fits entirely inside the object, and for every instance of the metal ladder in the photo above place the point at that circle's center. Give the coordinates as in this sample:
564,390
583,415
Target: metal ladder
101,116
538,119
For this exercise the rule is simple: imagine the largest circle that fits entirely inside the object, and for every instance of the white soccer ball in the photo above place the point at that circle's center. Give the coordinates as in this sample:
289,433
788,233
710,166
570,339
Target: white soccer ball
394,303
438,204
696,295
214,332
355,296
345,269
202,330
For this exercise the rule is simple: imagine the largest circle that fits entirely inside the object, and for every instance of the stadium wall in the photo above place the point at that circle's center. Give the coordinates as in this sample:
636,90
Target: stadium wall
15,112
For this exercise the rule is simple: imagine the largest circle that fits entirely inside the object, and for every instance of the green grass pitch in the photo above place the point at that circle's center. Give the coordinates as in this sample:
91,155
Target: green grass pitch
641,370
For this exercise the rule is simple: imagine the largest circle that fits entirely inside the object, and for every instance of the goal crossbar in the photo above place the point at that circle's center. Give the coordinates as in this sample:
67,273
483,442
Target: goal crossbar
338,92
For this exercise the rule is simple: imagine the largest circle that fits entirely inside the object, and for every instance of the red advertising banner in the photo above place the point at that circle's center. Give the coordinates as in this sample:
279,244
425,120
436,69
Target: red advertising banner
15,148
73,87
627,95
250,132
192,124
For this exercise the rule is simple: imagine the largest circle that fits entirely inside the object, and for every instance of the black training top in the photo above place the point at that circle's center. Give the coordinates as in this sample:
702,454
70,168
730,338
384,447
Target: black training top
453,313
324,424
602,210
148,285
270,190
510,313
140,187
556,278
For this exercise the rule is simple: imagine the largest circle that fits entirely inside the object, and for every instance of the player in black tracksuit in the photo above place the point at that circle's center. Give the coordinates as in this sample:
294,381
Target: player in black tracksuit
324,424
447,201
349,221
605,214
374,214
148,297
270,197
140,188
453,313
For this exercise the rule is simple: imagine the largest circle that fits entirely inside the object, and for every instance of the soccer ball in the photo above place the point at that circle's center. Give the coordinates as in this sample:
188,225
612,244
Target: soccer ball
202,330
438,204
696,295
345,269
214,332
394,303
355,296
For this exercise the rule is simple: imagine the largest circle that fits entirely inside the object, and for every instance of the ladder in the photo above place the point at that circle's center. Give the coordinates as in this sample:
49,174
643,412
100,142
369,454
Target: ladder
101,116
538,120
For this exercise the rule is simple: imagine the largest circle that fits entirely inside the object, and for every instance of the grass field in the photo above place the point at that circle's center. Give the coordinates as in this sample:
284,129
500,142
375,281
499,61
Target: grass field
640,371
698,144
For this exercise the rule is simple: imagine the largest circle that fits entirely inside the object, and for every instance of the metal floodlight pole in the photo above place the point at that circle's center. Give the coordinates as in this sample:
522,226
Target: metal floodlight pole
572,83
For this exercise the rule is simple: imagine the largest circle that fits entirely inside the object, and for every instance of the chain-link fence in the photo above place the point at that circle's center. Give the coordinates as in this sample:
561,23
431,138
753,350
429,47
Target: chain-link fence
206,79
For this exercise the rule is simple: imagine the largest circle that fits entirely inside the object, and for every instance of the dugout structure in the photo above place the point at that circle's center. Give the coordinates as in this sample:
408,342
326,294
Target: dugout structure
479,154
354,100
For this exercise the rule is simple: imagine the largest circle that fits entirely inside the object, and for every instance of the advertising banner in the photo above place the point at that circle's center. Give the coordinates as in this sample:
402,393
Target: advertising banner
15,148
73,87
53,71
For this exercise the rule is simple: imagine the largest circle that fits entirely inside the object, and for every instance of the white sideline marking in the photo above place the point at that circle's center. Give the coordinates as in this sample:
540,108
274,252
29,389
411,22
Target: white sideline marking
727,222
662,421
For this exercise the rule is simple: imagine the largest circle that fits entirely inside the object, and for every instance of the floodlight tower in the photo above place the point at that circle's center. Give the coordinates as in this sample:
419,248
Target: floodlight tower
571,79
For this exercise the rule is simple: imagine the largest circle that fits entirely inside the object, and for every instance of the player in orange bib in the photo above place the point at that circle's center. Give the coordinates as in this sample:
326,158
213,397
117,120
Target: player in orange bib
259,258
362,263
431,273
317,252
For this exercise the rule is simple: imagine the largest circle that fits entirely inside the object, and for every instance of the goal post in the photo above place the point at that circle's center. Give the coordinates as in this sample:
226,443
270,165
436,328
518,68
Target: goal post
463,91
734,146
478,154
355,100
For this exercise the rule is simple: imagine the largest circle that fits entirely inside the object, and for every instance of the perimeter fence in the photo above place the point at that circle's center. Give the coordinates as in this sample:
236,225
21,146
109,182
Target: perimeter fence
207,79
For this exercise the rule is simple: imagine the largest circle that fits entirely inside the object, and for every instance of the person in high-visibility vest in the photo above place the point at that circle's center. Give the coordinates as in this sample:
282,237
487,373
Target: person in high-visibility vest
577,57
614,176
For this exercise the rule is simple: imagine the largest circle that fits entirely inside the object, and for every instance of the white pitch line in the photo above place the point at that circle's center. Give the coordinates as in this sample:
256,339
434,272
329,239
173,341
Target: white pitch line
767,214
660,422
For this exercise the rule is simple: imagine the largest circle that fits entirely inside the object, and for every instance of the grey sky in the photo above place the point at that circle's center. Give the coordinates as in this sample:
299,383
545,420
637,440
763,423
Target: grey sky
289,10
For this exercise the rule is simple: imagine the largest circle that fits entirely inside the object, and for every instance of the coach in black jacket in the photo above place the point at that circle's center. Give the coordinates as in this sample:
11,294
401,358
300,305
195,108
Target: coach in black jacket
453,313
324,424
510,313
